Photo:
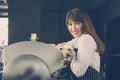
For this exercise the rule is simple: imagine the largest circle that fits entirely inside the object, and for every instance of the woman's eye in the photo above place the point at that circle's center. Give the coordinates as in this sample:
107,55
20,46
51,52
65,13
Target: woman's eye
78,23
70,24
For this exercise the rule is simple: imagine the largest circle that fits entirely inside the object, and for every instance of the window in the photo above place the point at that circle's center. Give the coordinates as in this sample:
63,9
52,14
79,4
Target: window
3,31
3,22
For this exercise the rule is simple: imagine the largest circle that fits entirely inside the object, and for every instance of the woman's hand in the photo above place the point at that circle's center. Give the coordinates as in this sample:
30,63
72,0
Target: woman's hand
66,52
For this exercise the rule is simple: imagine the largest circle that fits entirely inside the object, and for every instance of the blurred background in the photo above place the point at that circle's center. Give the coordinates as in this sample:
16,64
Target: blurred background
46,18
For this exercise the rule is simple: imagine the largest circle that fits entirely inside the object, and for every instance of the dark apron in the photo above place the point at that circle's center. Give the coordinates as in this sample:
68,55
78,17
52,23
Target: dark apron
67,74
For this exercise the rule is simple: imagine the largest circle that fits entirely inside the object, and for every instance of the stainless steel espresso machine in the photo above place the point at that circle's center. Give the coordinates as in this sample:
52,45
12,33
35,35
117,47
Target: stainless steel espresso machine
32,60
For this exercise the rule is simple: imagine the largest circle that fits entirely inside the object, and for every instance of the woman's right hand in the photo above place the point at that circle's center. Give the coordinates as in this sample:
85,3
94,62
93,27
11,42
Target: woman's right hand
63,50
66,52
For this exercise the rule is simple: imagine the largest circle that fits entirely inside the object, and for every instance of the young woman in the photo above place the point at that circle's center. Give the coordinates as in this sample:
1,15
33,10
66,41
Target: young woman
85,63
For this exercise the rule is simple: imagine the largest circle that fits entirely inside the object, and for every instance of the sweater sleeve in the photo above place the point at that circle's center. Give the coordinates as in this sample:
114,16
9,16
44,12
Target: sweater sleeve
86,47
70,44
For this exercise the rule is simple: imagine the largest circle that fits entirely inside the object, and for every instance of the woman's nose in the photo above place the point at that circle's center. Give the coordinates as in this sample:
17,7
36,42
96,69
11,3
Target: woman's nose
73,27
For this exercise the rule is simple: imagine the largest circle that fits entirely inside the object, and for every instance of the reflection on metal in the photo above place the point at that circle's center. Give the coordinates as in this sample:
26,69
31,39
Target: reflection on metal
3,13
3,8
3,2
27,67
50,55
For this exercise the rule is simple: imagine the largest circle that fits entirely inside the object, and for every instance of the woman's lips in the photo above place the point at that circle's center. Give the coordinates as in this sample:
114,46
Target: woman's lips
75,32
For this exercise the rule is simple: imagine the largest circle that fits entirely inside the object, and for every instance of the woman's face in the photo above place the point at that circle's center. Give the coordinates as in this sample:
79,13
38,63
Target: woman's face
74,28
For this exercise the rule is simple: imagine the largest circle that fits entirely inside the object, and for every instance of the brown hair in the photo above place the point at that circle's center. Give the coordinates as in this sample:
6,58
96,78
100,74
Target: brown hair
78,15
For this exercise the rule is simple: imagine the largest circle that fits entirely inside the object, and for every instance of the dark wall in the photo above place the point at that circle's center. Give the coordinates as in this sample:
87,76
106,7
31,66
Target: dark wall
108,15
113,49
24,19
114,10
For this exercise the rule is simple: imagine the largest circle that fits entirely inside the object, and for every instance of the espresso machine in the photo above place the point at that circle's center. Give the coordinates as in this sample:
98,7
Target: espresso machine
33,60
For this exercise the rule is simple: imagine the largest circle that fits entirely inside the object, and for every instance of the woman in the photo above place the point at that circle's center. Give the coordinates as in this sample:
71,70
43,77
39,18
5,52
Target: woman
85,63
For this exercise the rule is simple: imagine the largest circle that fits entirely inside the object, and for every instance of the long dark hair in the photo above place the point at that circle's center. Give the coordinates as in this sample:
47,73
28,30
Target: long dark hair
78,15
